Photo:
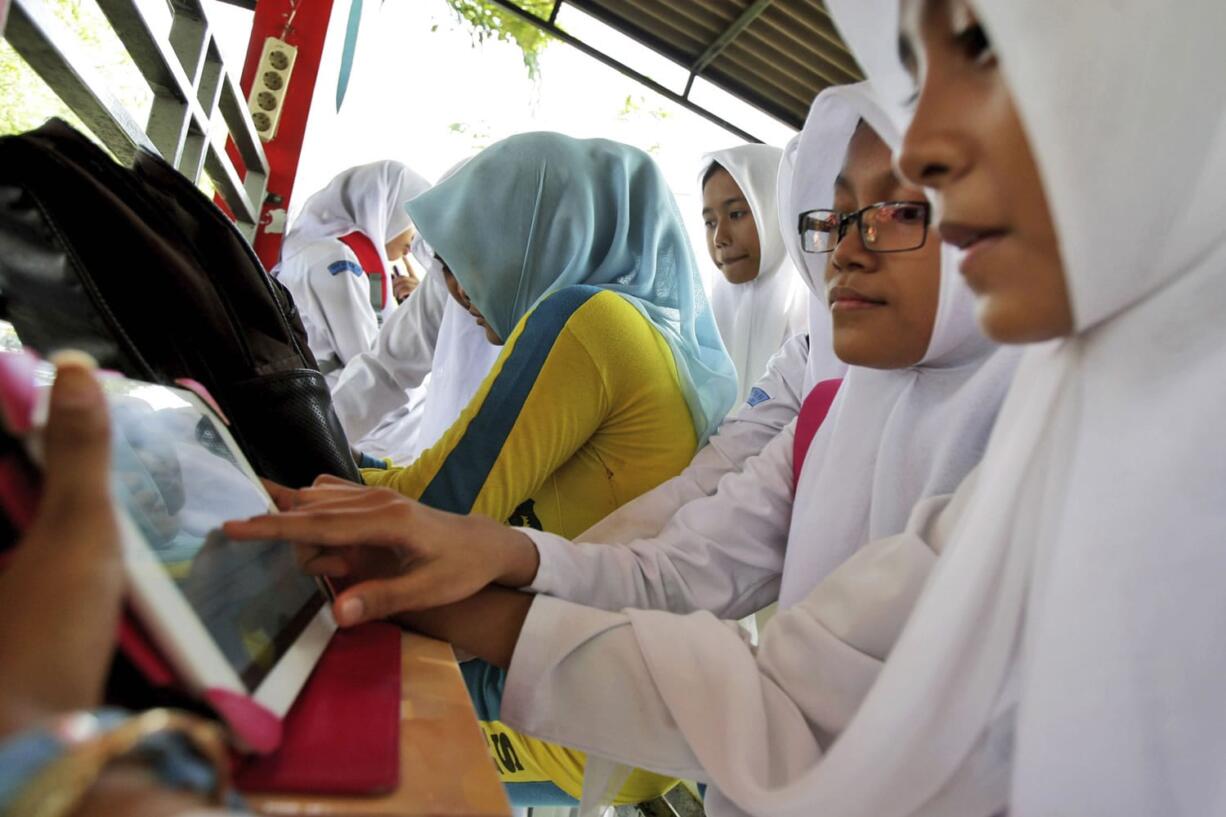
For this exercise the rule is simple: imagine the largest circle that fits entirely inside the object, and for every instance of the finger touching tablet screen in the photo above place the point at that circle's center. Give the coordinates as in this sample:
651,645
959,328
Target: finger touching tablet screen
235,616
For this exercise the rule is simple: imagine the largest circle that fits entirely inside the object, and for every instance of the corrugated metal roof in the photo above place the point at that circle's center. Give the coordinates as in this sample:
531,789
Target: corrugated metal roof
774,54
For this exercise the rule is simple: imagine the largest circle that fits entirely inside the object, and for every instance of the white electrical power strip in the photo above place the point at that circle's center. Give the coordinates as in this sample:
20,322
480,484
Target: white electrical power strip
268,90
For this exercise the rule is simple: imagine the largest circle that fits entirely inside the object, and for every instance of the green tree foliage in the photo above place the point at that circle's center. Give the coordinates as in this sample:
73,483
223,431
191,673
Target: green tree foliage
638,105
478,135
488,20
26,101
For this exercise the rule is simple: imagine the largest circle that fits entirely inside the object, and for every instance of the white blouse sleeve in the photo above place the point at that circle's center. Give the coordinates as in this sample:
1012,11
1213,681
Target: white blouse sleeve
689,696
374,383
722,553
340,292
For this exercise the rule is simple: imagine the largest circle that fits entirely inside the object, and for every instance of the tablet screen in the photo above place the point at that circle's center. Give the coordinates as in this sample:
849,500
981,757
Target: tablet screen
175,471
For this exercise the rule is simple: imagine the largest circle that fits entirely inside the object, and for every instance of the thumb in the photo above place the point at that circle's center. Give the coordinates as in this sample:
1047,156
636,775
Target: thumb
371,601
77,439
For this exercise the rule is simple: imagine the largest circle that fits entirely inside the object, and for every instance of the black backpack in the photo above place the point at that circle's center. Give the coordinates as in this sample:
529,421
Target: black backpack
138,268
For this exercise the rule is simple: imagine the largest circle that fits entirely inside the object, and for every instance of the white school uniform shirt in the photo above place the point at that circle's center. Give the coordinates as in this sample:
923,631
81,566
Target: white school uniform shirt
332,294
891,439
325,278
396,436
757,317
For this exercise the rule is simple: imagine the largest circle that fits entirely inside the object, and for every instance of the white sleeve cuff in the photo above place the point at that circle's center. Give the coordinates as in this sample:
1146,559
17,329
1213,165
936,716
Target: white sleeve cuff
551,549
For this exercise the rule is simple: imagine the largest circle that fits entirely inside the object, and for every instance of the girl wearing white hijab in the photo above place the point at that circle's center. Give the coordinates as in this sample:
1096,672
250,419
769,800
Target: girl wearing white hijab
342,303
892,437
1068,656
754,725
758,300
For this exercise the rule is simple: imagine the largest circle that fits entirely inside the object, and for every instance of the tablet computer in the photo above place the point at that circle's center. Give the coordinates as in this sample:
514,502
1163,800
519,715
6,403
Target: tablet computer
239,617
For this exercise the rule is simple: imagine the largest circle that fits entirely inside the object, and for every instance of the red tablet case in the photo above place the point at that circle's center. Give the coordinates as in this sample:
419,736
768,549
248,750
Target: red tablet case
342,735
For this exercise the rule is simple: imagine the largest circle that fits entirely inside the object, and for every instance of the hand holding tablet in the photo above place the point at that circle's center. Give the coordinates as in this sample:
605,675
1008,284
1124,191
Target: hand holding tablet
236,620
64,587
63,591
239,604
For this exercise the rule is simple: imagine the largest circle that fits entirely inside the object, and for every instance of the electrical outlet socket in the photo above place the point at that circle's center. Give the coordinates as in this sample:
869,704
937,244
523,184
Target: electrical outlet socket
267,97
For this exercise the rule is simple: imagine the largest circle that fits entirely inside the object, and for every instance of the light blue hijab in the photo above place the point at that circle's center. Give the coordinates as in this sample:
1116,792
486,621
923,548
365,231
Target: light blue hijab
541,211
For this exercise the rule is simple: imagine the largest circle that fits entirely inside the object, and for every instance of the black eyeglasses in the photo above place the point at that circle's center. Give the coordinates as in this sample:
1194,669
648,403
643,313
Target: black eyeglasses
887,226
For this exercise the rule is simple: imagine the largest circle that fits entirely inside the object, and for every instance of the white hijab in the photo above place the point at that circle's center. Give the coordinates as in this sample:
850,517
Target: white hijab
368,199
893,436
463,356
1068,655
798,195
756,318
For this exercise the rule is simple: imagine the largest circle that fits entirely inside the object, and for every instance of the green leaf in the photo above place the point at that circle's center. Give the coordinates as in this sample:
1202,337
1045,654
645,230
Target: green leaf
490,21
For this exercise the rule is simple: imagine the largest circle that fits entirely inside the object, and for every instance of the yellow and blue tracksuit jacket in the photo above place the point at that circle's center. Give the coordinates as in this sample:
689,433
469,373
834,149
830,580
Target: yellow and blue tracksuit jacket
582,412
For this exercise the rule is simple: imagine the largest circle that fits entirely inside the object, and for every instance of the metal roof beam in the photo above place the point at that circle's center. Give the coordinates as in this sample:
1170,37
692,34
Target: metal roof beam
621,67
753,12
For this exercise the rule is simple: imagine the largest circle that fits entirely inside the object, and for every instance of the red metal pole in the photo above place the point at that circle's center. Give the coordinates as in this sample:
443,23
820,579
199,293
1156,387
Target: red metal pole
304,24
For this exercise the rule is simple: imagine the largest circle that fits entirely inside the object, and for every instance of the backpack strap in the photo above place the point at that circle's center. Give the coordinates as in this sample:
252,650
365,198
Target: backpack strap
372,265
812,414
